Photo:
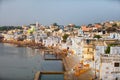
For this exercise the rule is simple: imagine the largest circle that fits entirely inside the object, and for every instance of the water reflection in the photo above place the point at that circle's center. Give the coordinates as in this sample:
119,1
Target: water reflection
14,51
1,2
19,63
52,77
49,66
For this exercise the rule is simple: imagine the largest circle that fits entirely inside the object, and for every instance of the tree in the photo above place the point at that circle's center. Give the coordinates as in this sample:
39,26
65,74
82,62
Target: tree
97,36
114,25
107,51
111,29
77,26
89,25
55,24
2,28
65,37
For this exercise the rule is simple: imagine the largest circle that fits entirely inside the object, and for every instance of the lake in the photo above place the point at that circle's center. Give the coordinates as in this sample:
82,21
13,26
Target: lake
20,63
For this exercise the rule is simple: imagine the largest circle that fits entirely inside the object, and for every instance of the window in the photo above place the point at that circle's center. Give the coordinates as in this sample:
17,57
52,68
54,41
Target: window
116,64
87,41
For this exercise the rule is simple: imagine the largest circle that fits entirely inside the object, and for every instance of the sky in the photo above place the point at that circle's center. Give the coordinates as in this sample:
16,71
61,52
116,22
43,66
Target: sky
63,12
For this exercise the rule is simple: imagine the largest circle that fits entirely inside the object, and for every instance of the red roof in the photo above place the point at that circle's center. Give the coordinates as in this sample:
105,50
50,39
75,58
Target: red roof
85,28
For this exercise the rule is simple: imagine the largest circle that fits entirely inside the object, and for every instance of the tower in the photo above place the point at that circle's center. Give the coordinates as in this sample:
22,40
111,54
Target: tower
37,24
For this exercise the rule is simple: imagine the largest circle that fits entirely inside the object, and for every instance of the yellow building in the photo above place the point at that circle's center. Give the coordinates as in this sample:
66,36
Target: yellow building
88,48
88,51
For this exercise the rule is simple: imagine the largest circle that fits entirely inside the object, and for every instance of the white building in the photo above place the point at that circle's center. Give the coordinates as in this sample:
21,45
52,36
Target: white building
30,37
52,41
8,36
80,32
100,50
76,45
110,67
39,36
114,35
115,50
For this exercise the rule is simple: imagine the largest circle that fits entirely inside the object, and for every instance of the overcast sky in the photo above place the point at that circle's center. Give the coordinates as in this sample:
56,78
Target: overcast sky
20,12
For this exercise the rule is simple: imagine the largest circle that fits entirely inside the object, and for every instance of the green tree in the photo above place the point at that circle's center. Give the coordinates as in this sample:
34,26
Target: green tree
114,25
6,28
55,24
107,51
111,29
77,26
97,36
65,37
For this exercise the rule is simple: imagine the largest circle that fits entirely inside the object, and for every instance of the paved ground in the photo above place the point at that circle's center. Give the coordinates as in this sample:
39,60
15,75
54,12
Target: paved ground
69,63
85,76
